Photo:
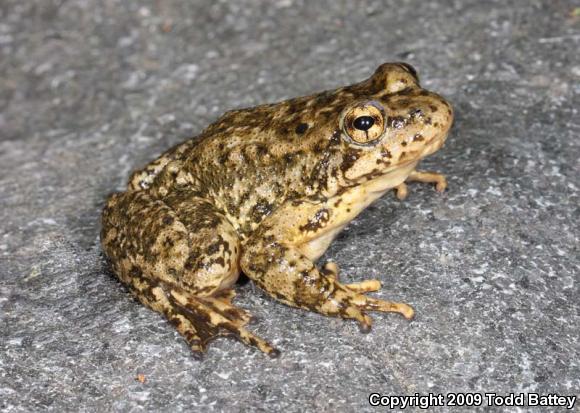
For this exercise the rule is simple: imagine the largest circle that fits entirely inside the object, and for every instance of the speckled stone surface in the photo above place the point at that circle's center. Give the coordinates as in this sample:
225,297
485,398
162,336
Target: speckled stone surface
89,90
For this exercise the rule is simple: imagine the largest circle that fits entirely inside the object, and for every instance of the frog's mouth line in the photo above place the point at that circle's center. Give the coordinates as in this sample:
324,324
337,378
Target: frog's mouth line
378,184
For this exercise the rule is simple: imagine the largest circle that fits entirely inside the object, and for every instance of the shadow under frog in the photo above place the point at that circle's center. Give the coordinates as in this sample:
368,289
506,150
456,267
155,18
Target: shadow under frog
264,191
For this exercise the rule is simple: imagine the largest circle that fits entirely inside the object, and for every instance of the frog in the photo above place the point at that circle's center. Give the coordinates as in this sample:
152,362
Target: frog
263,191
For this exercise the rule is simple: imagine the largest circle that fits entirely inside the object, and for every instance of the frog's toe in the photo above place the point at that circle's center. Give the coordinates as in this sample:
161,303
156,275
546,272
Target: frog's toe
366,286
374,304
429,177
330,270
441,186
356,313
223,299
401,191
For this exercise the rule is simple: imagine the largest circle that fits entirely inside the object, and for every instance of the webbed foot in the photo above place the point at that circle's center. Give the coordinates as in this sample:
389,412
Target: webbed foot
200,319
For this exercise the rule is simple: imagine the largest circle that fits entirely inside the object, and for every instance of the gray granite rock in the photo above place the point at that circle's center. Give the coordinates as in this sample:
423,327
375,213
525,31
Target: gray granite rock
90,90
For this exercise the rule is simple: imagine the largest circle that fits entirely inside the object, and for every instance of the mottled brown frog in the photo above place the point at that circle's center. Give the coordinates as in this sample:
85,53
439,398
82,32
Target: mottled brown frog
264,191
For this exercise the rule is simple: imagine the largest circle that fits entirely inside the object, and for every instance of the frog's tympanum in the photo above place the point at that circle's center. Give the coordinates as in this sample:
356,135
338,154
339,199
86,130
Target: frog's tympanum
264,191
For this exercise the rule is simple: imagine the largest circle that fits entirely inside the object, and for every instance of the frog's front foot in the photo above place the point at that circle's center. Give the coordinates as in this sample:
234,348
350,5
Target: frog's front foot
330,269
421,176
351,303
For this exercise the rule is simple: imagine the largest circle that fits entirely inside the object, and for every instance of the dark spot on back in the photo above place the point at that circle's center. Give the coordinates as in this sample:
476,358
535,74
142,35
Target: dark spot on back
301,128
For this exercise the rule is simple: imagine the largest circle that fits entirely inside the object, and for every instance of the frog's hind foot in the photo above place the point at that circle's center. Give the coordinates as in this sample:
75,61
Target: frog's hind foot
201,319
211,317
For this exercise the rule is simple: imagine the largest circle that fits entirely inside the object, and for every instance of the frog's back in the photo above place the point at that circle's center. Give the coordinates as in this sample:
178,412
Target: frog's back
235,128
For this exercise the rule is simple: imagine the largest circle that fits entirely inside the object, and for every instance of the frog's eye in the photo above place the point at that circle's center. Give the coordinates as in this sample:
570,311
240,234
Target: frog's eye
364,123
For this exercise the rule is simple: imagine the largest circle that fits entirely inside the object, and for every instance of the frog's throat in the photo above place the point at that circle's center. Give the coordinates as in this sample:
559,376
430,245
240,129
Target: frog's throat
390,179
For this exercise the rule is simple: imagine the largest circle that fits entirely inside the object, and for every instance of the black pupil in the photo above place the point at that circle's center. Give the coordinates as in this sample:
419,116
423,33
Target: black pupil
364,122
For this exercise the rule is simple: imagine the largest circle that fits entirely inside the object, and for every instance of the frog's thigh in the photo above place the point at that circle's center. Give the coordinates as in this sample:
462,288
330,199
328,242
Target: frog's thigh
178,263
213,245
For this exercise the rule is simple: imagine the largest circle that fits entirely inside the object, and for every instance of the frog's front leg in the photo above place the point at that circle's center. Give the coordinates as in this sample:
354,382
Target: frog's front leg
436,178
272,257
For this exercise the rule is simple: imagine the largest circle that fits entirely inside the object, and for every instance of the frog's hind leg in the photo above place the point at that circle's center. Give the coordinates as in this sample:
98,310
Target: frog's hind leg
200,319
181,264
